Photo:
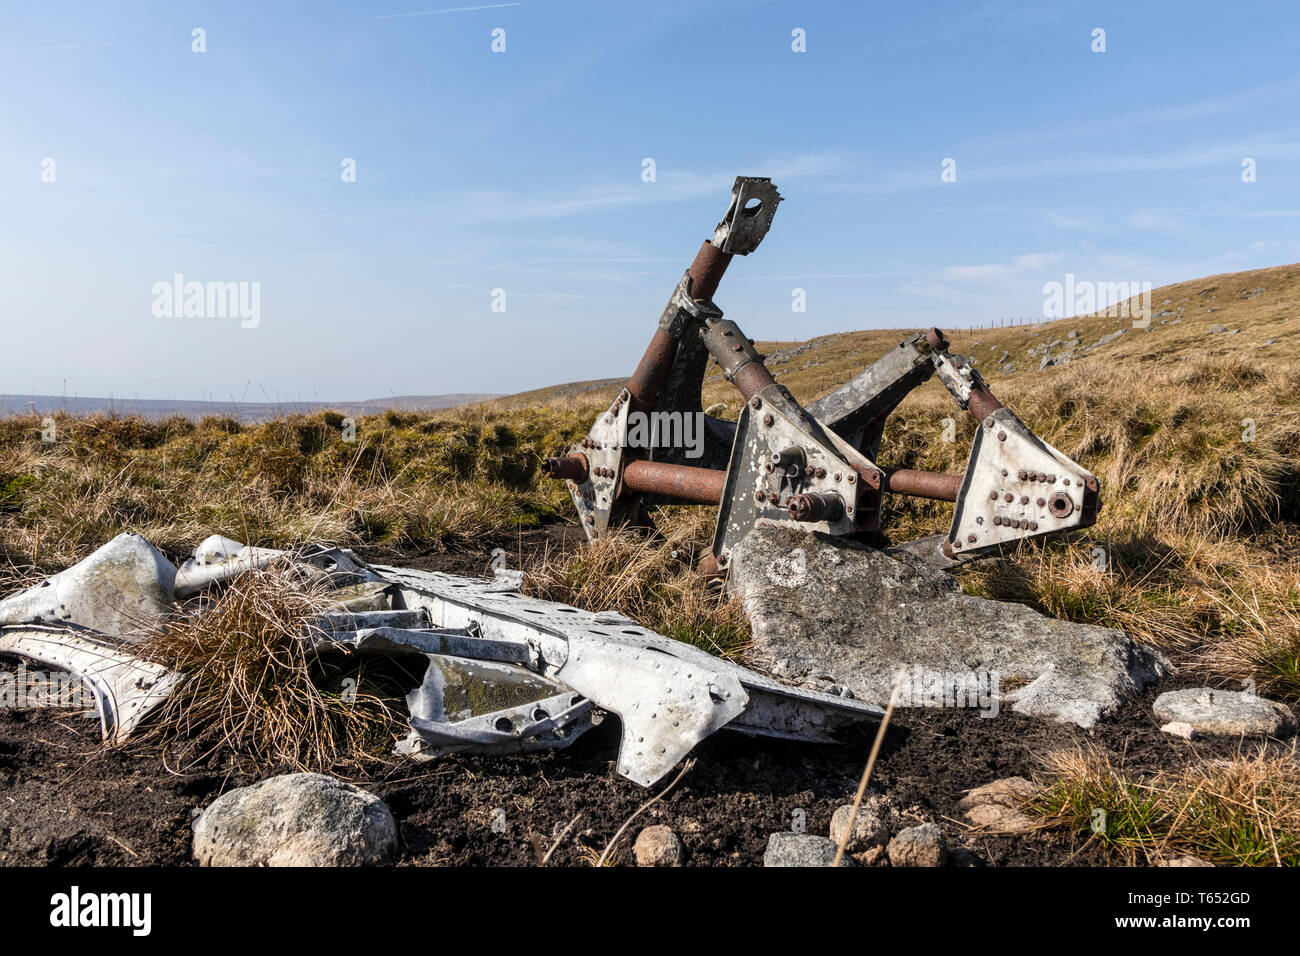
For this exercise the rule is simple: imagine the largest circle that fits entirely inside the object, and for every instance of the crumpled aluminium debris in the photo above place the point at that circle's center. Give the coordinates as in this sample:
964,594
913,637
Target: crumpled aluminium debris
504,672
668,695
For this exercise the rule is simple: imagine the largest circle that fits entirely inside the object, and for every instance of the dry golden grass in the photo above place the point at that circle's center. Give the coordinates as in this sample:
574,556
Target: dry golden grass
410,480
1243,810
650,579
254,689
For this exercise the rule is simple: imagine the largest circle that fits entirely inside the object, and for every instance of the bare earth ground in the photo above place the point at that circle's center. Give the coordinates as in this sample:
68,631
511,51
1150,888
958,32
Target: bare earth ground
66,801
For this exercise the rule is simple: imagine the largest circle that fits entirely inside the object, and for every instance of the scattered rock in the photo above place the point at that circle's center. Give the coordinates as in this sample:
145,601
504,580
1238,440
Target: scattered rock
1108,338
918,846
868,828
1005,792
1215,329
1179,728
1225,712
990,816
871,856
658,846
845,617
298,819
996,805
1184,860
801,849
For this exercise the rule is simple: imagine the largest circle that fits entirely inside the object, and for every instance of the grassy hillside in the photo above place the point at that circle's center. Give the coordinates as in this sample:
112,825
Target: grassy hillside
1192,425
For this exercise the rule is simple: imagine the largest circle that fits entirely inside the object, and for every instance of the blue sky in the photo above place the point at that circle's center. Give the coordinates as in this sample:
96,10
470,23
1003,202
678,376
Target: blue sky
522,171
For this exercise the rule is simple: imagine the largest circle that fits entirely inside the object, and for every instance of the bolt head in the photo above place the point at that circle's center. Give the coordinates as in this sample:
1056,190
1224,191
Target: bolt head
768,420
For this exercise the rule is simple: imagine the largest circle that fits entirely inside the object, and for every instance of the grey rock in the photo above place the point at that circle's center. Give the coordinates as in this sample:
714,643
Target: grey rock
1215,329
658,845
868,829
918,846
860,616
1225,712
801,849
299,819
118,590
1108,338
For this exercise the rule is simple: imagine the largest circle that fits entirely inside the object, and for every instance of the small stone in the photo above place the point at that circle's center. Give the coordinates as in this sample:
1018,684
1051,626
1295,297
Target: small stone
1185,860
868,829
1006,792
801,849
1215,329
923,845
990,816
1225,712
1180,728
297,819
870,856
658,846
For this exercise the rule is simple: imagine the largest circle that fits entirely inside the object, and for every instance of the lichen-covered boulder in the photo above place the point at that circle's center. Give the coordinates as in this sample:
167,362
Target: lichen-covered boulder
299,819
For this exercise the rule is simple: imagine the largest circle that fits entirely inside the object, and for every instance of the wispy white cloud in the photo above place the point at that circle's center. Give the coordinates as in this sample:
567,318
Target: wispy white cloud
431,13
57,47
671,185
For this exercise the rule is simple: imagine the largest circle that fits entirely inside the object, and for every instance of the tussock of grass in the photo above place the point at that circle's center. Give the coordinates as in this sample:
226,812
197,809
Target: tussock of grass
1243,810
650,579
410,480
253,688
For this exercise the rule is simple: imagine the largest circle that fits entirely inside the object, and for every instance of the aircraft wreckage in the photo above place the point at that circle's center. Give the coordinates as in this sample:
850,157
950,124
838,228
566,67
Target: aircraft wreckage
797,489
544,669
812,468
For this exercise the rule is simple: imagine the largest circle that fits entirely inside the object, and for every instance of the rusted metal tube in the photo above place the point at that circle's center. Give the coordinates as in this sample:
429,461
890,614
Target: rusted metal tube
752,378
652,371
922,484
983,403
657,361
701,485
816,506
706,271
572,467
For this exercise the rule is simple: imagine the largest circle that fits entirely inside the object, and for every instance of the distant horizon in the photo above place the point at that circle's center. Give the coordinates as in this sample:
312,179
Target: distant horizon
16,404
268,199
